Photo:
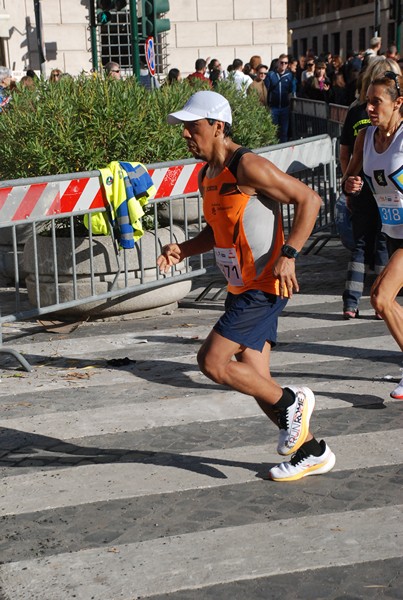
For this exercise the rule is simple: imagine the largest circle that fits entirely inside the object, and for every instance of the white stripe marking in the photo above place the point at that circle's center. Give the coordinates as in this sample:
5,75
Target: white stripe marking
158,177
138,416
100,483
88,194
183,180
206,558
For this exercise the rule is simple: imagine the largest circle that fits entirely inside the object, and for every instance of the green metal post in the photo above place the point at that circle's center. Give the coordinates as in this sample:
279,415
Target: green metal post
93,30
135,38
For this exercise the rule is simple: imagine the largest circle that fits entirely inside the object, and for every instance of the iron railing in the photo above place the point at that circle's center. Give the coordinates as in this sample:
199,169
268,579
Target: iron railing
51,274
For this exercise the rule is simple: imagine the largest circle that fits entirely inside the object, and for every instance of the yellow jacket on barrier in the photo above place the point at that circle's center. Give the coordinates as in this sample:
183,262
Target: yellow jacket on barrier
127,186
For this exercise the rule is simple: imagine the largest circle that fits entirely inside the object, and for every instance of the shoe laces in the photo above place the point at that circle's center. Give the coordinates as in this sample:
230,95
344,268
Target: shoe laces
298,457
282,415
282,419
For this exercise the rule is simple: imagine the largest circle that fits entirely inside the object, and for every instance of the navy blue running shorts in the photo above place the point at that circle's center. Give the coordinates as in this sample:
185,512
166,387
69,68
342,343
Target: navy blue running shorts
251,318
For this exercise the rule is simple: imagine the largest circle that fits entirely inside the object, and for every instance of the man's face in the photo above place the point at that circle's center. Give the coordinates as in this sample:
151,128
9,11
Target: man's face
115,72
261,74
199,136
282,65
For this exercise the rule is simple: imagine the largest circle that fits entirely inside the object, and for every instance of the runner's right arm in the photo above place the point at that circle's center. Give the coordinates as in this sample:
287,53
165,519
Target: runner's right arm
172,254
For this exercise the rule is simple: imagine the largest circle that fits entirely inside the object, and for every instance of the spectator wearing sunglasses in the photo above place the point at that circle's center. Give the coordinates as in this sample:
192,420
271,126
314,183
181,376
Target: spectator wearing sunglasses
257,86
55,75
309,71
112,70
280,84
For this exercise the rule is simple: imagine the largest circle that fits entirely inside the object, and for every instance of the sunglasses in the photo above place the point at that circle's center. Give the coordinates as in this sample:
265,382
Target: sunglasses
310,64
283,62
395,77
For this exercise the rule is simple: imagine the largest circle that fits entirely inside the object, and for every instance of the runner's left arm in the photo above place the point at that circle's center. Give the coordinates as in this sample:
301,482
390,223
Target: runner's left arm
257,174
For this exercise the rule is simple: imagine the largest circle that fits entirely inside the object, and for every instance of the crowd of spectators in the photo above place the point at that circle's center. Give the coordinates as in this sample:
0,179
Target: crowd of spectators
326,77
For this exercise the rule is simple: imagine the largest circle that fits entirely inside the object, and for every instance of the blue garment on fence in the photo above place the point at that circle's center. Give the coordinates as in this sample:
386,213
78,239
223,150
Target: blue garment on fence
127,186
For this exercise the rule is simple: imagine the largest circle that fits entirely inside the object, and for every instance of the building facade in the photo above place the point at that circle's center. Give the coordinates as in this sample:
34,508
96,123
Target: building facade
225,30
339,26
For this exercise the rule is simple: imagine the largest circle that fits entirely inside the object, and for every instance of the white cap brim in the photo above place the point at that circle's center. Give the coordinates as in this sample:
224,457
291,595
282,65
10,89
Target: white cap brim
182,116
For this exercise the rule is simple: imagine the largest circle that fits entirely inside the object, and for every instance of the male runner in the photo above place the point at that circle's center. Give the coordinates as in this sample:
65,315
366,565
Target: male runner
241,194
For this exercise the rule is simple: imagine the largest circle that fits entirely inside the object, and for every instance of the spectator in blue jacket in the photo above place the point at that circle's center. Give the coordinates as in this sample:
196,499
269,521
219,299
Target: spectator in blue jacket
281,84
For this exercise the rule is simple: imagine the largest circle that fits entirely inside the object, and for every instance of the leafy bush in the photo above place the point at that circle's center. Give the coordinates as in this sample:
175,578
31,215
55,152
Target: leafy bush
83,124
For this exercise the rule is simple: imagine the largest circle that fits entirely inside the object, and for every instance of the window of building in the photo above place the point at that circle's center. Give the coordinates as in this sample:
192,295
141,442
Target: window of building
295,48
336,42
391,34
362,44
304,45
315,44
325,43
349,40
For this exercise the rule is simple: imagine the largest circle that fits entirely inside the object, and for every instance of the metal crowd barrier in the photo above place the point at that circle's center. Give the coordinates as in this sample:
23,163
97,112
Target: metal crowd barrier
50,274
315,117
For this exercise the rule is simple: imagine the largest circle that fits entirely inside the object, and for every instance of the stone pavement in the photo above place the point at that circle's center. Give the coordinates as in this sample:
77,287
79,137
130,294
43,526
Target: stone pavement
126,474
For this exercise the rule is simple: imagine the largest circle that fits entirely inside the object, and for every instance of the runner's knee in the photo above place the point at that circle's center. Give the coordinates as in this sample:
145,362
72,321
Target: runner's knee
210,367
381,301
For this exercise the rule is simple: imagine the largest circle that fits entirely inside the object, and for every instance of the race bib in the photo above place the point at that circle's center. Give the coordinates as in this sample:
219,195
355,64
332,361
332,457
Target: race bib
390,208
227,262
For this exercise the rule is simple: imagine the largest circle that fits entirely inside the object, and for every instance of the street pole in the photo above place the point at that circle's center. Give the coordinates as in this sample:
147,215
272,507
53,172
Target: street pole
93,30
135,38
39,36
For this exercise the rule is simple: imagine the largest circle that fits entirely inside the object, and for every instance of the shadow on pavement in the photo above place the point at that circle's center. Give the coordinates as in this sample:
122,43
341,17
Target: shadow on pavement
27,447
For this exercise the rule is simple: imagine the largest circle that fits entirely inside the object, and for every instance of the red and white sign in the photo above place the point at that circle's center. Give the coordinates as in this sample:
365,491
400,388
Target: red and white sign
150,55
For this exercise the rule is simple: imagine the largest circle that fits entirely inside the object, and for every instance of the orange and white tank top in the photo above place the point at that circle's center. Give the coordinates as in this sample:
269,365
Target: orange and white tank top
248,231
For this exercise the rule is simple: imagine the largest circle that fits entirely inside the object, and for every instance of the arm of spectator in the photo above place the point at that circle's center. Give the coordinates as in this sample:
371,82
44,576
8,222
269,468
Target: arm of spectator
352,183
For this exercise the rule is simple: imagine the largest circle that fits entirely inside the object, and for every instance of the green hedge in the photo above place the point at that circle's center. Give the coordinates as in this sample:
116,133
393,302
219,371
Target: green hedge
82,124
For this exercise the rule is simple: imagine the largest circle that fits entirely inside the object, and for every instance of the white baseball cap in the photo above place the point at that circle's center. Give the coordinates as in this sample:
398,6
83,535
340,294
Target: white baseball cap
203,105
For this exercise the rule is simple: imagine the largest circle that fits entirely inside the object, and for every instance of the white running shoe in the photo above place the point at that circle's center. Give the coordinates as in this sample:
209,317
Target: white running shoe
302,465
294,420
398,391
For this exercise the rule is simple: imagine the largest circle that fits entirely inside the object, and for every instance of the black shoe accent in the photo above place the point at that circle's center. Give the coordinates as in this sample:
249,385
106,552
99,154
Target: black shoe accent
287,398
314,447
280,408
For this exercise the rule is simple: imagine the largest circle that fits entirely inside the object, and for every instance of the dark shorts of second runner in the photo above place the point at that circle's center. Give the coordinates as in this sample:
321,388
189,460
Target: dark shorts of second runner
251,318
393,244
